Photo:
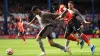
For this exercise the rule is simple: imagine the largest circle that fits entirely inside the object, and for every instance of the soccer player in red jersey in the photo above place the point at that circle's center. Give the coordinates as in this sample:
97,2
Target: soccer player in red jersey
74,25
67,18
21,30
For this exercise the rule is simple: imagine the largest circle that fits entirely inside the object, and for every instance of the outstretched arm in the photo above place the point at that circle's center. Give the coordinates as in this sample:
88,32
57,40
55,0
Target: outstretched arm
79,14
30,22
59,16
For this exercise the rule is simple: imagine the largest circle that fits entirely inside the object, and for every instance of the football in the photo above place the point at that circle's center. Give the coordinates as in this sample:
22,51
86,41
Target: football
9,51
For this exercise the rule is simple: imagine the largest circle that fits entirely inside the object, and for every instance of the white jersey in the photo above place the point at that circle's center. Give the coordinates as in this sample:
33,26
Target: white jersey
45,18
40,20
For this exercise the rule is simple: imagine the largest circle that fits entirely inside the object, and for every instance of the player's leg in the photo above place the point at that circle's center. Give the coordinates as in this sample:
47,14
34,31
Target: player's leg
21,34
53,44
71,37
67,43
76,35
50,38
43,33
85,38
68,34
38,39
23,37
72,34
48,32
81,42
76,28
18,35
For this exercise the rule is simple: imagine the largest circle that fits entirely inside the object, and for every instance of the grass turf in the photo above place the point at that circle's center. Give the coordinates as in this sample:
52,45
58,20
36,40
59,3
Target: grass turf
32,48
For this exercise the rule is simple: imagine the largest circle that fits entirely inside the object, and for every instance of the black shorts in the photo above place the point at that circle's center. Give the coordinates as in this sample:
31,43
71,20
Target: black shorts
46,32
73,26
21,33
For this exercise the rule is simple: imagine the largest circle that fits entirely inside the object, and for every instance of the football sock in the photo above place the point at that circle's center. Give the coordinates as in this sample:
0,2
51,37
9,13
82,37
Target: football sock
58,46
67,42
85,38
41,45
70,37
23,37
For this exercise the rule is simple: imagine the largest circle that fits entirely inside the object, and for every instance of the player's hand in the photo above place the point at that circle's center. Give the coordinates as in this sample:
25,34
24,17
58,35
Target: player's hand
87,22
28,23
59,17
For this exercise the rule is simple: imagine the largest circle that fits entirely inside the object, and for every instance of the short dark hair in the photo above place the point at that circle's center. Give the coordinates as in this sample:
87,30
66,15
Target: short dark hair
71,2
34,8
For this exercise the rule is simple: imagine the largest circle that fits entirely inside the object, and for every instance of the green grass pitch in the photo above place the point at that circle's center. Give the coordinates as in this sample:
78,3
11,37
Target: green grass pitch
32,48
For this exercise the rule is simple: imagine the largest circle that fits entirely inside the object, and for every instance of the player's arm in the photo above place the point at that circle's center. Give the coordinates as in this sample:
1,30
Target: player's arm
61,15
51,14
79,14
31,21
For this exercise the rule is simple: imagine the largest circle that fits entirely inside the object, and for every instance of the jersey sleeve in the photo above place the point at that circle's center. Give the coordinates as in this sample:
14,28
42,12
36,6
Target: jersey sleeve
52,14
80,15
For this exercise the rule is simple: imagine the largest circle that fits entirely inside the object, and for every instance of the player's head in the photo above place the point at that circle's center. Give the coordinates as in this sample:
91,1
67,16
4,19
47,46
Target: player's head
36,10
70,4
20,19
62,6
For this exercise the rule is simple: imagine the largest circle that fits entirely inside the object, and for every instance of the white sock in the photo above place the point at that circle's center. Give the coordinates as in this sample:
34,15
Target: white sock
91,45
43,53
67,43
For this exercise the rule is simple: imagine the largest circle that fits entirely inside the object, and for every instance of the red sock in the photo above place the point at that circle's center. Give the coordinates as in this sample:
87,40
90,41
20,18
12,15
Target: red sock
23,37
85,38
70,37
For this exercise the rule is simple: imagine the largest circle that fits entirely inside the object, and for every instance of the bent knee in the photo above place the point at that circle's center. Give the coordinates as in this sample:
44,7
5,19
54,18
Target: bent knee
51,44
